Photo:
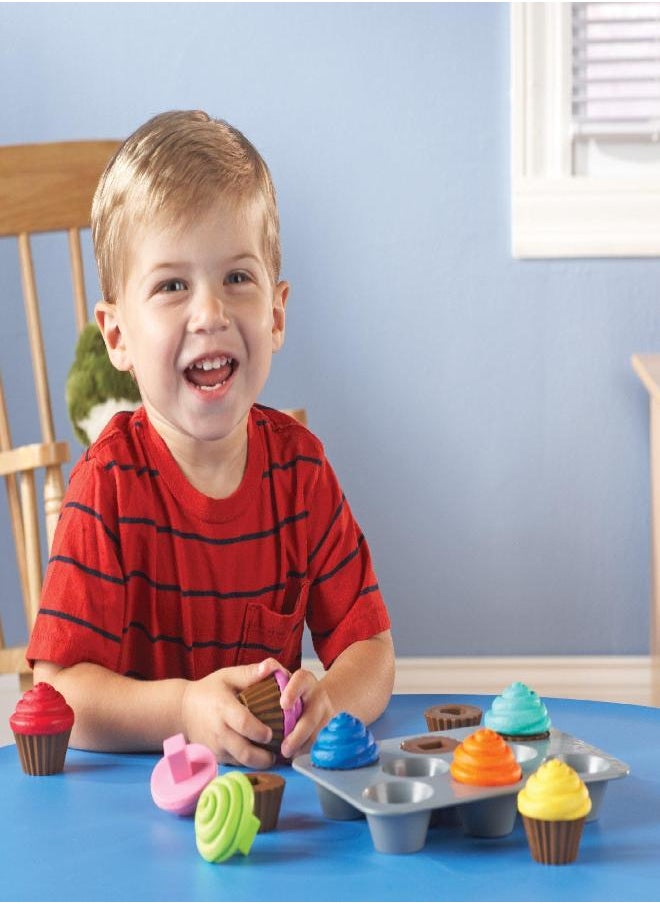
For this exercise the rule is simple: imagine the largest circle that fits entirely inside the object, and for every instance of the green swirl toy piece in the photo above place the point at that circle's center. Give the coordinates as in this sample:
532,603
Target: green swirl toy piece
224,818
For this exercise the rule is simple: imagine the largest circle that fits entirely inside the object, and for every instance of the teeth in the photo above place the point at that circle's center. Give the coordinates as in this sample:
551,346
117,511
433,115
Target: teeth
212,363
211,388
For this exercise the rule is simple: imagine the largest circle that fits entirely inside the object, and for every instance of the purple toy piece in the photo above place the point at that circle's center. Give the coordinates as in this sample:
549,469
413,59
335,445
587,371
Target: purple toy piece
181,775
291,715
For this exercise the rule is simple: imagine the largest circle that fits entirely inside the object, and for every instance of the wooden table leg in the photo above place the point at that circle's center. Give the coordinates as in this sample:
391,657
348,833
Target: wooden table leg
654,628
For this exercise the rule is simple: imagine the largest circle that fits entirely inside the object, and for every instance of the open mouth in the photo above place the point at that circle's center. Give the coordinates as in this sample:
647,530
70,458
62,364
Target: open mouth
208,374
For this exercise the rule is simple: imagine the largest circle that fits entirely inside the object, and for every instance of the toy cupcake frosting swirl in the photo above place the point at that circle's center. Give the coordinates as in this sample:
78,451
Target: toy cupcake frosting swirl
344,743
42,723
519,714
224,818
484,758
554,805
178,779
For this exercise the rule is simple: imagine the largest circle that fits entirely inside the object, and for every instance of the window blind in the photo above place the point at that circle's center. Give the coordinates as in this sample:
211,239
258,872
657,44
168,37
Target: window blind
616,69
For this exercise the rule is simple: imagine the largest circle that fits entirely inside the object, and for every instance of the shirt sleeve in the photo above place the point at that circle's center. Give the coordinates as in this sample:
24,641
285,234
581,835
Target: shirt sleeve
82,604
345,603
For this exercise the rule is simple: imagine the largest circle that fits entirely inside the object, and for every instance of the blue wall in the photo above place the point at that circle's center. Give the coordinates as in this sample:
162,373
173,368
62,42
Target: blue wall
481,411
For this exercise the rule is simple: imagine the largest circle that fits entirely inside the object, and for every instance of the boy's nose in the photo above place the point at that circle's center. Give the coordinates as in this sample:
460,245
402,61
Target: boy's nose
209,312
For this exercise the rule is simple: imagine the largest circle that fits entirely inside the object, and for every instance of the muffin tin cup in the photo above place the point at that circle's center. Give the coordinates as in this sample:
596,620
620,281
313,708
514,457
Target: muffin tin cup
399,832
404,834
415,766
528,757
404,792
335,807
489,818
593,770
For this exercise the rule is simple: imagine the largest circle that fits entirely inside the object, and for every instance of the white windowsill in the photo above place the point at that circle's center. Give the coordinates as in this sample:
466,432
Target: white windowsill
585,217
555,214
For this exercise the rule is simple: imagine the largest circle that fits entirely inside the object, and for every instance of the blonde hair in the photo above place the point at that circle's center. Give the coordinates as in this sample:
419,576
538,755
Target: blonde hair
176,166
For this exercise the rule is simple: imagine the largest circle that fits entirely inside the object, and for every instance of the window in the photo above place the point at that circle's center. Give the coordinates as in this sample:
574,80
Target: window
585,152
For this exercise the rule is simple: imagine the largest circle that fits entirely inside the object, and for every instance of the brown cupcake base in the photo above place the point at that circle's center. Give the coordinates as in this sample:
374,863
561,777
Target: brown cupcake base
429,744
553,842
541,736
42,754
445,716
268,790
263,701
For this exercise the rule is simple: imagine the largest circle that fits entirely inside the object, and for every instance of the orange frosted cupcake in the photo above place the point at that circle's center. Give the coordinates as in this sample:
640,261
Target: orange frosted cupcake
484,759
42,723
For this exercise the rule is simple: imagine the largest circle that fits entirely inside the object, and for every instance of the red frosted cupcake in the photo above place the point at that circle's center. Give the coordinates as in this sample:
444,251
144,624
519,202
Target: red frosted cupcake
42,723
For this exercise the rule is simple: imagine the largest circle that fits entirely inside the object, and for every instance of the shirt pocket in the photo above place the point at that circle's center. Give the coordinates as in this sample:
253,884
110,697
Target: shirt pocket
267,632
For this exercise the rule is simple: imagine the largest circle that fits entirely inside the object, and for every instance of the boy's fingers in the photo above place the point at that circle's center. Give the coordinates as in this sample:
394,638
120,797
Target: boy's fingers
300,684
242,676
239,751
253,757
247,725
307,727
267,666
300,735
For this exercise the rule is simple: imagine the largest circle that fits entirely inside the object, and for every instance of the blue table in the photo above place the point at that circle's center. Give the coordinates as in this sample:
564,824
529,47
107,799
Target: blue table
93,833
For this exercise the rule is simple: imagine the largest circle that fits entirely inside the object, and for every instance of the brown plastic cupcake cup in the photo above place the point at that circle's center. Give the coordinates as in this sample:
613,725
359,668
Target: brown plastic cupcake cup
445,716
429,744
268,790
263,701
554,842
42,754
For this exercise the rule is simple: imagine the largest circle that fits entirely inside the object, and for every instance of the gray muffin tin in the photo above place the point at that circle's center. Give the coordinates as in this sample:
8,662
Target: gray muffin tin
401,792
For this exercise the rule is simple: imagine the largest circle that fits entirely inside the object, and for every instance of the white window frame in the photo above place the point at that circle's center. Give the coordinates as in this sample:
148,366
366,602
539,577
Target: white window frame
555,213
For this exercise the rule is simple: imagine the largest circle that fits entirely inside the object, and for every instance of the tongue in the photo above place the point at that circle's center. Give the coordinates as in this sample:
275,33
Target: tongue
208,377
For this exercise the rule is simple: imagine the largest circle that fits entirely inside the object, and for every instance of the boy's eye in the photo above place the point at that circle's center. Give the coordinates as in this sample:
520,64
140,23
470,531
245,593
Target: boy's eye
238,277
172,285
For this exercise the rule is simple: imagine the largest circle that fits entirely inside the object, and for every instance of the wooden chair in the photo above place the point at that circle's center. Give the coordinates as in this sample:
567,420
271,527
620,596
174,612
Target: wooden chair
300,414
43,188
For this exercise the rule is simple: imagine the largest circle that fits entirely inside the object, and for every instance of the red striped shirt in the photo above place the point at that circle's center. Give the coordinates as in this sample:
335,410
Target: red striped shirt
151,578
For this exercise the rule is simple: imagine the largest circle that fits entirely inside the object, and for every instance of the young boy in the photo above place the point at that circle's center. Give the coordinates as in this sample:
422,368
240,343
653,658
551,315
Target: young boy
199,533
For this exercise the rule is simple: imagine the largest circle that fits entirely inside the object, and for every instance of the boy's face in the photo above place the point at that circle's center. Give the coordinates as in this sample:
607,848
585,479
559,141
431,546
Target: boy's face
197,321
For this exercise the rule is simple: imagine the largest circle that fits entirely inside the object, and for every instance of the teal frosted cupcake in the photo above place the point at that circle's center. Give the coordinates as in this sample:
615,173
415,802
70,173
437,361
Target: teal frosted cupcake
519,714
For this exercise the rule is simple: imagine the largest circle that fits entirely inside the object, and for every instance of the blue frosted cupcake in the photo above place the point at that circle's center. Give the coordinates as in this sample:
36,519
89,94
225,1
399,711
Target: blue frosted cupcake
344,743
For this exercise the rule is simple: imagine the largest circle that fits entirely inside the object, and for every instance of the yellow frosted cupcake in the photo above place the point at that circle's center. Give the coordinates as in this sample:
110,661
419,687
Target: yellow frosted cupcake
554,805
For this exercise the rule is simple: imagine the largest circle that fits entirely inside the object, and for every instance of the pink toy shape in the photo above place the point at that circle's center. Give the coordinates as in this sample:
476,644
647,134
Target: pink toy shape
181,775
291,715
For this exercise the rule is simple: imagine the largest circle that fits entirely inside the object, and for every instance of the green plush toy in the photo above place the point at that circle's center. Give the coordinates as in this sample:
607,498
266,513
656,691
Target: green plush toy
95,390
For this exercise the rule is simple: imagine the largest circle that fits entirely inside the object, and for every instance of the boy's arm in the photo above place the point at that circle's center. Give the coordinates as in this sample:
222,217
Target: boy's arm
116,713
359,681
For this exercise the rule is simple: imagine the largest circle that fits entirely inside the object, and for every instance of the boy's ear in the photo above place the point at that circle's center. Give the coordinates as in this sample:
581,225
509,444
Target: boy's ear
107,317
280,297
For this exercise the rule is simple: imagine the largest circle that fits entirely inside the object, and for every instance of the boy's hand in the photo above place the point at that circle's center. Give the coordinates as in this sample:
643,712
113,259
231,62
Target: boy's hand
317,711
212,715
